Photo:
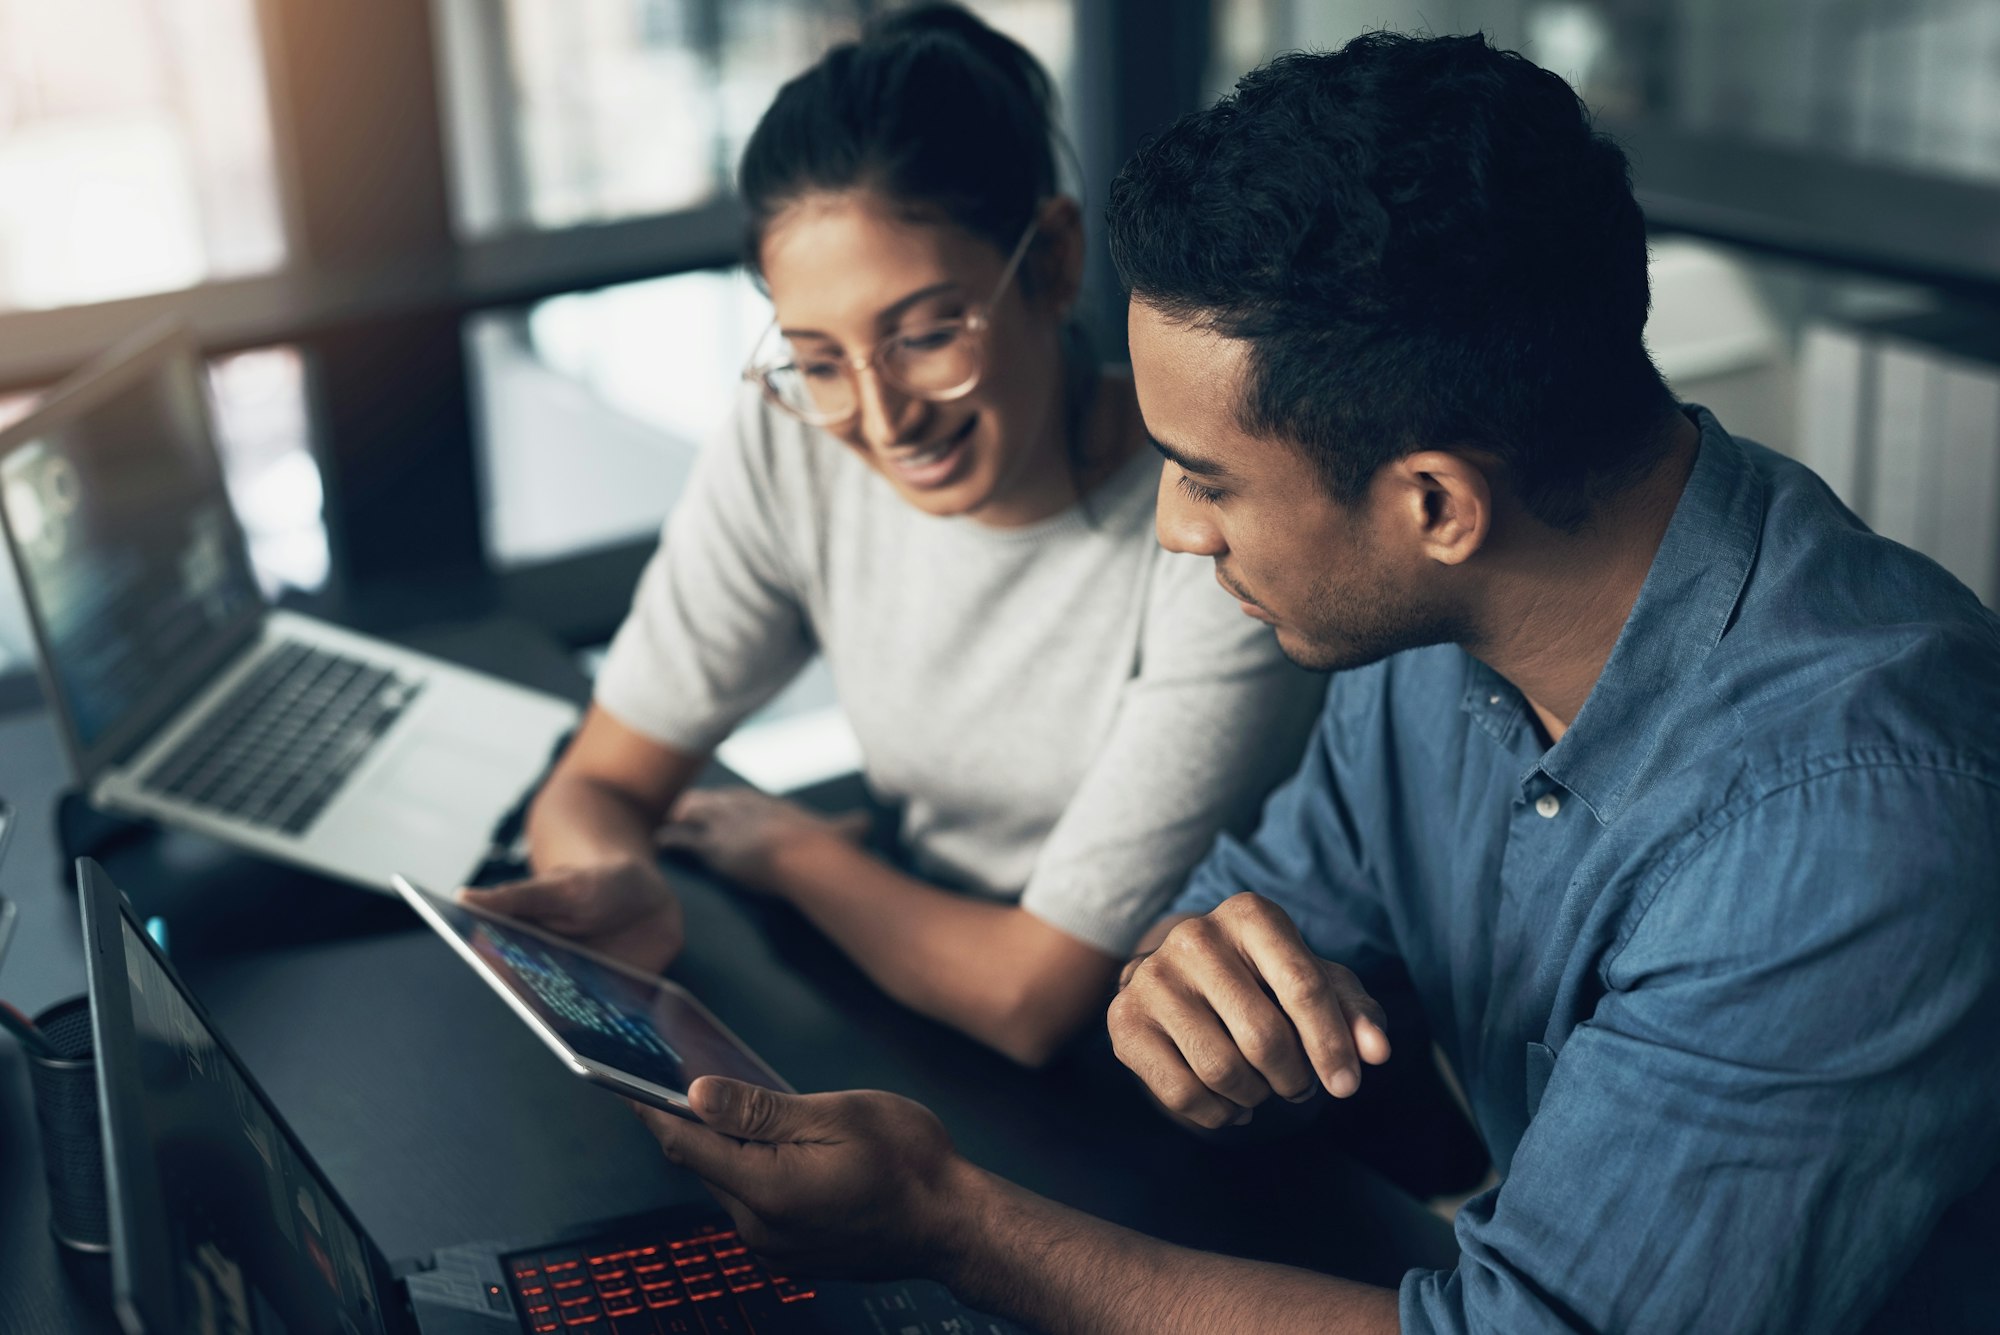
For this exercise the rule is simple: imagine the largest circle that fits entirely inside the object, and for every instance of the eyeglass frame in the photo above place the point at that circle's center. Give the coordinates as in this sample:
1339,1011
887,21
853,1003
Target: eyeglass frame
978,318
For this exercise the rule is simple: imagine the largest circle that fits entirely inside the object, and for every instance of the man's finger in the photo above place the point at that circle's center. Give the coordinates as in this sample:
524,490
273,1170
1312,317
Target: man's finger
1206,1045
1364,1016
1298,979
1155,1058
1260,1031
710,1155
751,1112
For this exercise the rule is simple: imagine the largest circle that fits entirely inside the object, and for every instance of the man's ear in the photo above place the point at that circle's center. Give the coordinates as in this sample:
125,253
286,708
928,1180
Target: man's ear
1446,498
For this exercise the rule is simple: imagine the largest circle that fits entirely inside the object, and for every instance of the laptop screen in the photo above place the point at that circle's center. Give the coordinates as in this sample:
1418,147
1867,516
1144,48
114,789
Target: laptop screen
255,1241
126,544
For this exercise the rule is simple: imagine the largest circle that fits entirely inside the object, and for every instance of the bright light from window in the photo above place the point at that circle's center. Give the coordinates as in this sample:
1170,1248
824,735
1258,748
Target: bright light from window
135,149
575,111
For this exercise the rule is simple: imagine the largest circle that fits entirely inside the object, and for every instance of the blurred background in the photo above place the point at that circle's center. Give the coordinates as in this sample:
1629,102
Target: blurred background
466,268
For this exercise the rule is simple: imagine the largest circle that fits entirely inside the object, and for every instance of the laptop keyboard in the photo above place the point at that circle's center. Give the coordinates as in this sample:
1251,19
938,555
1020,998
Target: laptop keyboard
706,1280
279,746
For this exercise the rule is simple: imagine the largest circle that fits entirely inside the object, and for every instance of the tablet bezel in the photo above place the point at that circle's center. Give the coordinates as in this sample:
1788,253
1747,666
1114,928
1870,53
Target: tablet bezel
598,1073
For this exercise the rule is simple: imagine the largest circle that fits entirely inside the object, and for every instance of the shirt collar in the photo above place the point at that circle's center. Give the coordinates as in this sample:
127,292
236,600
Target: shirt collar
1688,599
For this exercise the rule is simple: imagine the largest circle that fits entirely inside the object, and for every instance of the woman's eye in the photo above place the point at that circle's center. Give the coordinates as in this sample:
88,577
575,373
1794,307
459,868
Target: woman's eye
1194,491
931,340
819,370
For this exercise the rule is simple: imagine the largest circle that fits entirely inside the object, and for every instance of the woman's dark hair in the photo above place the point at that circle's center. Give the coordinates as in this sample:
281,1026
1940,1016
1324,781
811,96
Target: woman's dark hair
932,108
1424,244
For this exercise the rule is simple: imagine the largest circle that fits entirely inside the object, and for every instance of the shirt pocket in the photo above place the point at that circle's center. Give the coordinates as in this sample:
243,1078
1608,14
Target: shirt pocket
1541,1063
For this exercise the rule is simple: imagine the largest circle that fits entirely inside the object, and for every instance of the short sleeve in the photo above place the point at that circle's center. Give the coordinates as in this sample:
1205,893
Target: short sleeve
1213,717
1305,855
1791,1078
718,624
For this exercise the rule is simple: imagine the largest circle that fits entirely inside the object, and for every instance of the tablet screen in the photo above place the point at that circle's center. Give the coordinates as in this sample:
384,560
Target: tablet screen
650,1030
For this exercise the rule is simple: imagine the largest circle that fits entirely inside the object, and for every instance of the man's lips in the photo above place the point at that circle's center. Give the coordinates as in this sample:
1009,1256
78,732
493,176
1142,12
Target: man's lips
1251,607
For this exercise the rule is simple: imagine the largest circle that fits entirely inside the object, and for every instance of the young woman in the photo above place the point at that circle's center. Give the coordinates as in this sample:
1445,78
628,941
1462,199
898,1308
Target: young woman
931,483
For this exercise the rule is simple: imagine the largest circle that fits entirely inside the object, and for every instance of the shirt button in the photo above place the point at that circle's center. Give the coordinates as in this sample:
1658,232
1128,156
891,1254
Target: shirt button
1547,805
1492,699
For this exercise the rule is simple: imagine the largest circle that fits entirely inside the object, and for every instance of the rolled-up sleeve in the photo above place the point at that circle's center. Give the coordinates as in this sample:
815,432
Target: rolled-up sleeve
1791,1076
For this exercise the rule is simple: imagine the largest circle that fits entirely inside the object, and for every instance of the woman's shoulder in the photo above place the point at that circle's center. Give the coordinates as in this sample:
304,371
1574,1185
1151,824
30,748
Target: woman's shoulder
795,471
1192,624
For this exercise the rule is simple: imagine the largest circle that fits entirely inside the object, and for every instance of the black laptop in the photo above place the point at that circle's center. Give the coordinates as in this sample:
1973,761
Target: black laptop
221,1223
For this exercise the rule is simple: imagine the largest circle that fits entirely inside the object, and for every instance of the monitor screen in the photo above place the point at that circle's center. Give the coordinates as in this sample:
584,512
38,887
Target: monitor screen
648,1029
257,1244
127,546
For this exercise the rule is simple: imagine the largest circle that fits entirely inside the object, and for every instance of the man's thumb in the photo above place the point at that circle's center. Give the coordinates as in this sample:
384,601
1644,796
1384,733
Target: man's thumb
749,1112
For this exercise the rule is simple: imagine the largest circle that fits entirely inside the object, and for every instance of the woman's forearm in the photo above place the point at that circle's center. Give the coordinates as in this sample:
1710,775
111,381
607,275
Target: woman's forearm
993,970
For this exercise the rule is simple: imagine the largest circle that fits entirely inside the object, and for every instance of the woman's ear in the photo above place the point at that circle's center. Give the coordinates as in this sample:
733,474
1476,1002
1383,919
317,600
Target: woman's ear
1056,254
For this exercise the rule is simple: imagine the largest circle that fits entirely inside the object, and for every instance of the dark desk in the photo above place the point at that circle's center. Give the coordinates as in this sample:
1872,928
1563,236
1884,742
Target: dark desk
441,1120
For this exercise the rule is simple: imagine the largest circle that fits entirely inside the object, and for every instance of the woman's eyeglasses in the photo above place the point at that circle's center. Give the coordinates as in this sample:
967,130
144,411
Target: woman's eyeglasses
939,361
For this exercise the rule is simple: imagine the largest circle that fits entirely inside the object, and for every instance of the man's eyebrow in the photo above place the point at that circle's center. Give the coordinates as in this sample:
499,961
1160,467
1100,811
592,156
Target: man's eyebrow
1188,462
890,312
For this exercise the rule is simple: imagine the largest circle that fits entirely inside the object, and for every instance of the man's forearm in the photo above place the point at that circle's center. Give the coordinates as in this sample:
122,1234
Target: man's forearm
1006,1250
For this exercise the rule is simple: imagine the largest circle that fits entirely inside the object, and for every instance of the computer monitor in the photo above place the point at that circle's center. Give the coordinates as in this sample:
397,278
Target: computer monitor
220,1222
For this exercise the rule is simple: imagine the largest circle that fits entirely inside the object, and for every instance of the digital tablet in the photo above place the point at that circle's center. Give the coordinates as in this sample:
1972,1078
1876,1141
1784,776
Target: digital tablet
637,1034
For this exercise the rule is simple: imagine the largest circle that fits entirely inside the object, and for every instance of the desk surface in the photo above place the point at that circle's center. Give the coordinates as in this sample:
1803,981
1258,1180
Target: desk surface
440,1119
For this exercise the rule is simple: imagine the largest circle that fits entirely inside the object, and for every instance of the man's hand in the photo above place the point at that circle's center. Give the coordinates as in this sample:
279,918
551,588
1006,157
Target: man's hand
746,835
856,1184
622,909
1233,1008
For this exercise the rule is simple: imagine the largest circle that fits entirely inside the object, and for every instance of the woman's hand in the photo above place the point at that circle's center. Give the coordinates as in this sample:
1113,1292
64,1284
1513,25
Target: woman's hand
622,909
747,836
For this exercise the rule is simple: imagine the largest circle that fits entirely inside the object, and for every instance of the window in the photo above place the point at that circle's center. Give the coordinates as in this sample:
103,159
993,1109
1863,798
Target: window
593,406
1906,83
135,149
575,111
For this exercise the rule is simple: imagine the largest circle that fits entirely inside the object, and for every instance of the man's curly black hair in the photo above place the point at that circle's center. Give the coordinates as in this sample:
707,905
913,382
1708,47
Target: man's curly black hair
1426,245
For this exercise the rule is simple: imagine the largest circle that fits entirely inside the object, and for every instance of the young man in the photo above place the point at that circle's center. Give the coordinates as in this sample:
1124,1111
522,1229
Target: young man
1674,790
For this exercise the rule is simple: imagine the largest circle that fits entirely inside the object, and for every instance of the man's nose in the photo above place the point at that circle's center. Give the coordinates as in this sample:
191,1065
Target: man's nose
1180,524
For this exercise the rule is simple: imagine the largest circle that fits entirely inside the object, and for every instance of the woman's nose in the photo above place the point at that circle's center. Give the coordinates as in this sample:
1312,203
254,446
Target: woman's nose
888,416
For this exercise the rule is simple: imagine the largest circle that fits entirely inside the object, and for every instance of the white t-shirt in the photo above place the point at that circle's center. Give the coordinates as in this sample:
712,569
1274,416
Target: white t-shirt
1066,712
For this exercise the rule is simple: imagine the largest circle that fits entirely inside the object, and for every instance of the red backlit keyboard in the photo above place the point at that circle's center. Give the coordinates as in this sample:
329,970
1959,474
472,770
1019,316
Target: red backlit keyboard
647,1287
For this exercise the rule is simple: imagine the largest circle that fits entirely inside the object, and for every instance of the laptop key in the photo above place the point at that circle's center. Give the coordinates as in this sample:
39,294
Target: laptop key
281,746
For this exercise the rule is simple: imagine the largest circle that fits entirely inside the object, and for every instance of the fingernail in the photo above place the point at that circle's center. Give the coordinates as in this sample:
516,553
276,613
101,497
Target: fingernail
1344,1082
1299,1097
721,1099
1240,1118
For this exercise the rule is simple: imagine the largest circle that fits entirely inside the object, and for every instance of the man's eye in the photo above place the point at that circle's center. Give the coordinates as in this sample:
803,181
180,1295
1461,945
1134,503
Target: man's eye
1194,491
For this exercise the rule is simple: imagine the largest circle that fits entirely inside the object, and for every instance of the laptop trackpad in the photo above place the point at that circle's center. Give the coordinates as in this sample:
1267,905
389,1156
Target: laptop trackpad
448,774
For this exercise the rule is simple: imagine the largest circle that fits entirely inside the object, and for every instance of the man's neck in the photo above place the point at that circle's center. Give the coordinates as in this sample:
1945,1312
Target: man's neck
1560,603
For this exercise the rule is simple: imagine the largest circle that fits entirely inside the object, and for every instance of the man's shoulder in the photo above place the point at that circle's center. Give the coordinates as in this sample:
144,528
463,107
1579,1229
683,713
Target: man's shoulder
1849,649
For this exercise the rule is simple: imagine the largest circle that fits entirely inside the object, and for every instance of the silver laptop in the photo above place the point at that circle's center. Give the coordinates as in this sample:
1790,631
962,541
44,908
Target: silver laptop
182,695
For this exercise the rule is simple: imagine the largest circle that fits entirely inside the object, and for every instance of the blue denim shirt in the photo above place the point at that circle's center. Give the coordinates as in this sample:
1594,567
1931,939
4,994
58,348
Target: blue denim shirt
1720,970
